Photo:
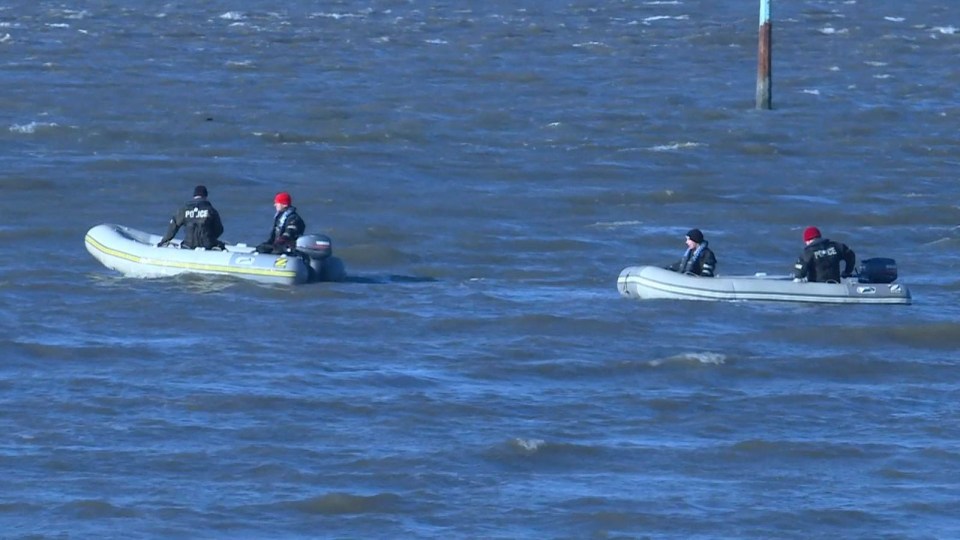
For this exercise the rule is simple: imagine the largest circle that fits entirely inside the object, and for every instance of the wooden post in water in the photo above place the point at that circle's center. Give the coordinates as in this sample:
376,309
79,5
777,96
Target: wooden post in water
764,65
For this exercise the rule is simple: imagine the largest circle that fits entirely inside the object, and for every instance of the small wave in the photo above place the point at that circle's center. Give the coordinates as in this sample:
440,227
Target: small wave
346,503
32,127
708,358
656,18
830,31
894,19
948,30
72,13
674,146
233,16
591,44
529,446
436,41
97,509
811,91
5,38
337,16
615,224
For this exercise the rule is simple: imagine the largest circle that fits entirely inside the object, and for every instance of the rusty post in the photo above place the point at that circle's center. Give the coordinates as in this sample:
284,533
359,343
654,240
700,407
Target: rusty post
764,64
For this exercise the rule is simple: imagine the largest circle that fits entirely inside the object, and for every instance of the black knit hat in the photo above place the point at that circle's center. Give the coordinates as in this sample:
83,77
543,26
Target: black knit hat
200,191
695,235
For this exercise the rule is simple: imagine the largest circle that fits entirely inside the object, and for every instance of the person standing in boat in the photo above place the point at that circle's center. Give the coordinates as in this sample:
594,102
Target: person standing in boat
698,259
287,226
201,223
821,258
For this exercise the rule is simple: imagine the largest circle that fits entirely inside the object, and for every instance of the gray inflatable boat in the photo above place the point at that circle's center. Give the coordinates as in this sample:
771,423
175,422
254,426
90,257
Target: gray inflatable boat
874,286
135,253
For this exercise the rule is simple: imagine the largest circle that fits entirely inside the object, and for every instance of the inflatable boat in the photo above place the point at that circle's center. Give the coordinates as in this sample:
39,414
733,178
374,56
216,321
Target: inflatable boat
874,284
135,253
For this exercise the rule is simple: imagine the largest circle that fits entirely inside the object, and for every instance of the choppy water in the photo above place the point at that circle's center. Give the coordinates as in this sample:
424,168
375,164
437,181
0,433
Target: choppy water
485,172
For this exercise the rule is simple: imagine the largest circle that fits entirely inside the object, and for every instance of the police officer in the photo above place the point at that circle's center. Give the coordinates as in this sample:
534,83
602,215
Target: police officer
201,222
287,226
821,258
698,259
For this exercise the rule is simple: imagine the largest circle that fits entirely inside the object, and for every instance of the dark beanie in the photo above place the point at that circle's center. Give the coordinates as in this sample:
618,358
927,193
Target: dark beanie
200,191
695,235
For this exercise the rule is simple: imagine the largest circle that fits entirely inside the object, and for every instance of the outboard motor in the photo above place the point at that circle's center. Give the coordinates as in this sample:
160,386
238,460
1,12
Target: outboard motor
316,248
877,270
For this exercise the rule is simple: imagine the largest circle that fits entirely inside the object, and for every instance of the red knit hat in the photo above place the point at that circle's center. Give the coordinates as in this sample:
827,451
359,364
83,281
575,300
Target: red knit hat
810,233
283,198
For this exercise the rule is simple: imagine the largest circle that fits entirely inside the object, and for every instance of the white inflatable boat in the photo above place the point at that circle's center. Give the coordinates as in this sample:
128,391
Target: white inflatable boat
648,282
135,253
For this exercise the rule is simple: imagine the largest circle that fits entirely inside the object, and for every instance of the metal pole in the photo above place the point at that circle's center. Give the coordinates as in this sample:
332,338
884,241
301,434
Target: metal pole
764,65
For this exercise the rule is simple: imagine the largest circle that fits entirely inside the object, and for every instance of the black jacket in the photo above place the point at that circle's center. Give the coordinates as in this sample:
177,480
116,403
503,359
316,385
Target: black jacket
703,263
820,261
287,227
201,222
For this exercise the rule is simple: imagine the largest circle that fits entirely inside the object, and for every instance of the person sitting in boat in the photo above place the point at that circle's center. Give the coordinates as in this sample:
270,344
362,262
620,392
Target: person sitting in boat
821,258
287,226
201,222
698,260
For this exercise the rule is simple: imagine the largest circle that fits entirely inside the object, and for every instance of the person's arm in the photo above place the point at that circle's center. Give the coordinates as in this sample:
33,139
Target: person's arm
850,260
802,267
709,265
217,225
292,230
175,223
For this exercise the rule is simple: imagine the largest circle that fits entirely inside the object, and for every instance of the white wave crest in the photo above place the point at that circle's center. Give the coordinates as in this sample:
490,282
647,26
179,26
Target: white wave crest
674,146
615,224
709,358
31,127
590,44
529,445
75,14
337,16
830,31
656,18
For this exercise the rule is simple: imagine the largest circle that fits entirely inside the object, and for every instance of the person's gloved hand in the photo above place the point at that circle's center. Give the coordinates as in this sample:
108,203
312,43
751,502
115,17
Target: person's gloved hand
161,244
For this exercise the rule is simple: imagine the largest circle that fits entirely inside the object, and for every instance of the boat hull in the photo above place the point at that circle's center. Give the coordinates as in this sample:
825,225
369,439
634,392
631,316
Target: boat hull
135,253
651,282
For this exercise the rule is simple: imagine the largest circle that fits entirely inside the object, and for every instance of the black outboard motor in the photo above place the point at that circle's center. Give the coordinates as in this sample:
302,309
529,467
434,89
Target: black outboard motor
316,249
877,270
